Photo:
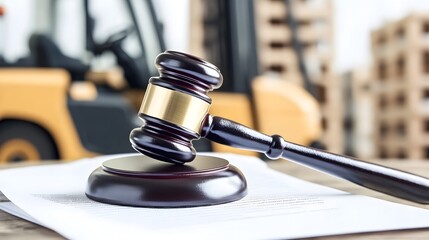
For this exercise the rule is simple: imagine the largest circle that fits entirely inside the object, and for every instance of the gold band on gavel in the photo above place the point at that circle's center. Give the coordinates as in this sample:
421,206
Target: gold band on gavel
175,107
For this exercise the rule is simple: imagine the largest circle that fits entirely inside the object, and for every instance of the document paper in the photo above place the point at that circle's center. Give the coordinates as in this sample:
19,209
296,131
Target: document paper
277,206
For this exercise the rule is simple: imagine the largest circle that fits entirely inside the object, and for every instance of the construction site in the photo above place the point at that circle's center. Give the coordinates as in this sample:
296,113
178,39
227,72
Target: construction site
279,60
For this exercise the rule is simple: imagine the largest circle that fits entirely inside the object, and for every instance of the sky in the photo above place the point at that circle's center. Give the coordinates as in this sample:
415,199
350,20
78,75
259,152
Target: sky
355,19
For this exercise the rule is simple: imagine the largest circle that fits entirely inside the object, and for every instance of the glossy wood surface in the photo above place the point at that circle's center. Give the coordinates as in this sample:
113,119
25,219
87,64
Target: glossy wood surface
376,177
141,181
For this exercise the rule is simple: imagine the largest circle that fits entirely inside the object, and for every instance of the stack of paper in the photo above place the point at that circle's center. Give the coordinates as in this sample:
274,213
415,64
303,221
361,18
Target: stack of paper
277,206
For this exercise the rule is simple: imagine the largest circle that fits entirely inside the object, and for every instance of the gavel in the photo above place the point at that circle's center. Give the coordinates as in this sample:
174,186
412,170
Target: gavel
175,112
175,109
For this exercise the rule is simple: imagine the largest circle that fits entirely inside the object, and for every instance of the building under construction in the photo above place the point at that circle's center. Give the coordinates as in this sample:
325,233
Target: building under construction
401,71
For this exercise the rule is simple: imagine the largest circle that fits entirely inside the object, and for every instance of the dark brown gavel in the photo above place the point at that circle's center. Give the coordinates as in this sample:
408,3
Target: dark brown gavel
175,111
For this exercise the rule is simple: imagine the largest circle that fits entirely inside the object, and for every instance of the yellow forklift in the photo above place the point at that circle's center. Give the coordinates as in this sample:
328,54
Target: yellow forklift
53,106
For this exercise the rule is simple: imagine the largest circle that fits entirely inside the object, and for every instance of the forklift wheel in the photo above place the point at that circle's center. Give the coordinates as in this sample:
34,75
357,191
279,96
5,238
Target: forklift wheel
22,141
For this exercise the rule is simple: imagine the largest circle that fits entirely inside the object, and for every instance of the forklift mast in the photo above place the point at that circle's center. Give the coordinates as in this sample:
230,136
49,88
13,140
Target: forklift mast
230,42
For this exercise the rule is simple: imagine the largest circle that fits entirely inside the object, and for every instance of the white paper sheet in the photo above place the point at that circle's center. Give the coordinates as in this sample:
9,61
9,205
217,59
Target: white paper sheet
277,206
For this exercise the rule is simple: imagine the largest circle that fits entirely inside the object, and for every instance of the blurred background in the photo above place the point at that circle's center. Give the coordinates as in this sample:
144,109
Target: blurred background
351,77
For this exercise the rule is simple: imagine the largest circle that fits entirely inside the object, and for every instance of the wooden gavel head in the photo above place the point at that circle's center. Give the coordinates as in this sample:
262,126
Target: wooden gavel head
175,106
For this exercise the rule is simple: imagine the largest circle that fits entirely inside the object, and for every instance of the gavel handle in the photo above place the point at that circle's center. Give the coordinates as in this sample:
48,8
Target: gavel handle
383,179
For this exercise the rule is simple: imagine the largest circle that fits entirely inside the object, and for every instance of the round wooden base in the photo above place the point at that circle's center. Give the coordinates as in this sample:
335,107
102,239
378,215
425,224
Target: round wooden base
141,181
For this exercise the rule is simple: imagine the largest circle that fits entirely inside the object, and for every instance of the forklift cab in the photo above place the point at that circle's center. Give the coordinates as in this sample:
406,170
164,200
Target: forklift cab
84,40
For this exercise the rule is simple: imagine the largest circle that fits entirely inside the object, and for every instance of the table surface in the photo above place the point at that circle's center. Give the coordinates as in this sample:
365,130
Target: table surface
14,228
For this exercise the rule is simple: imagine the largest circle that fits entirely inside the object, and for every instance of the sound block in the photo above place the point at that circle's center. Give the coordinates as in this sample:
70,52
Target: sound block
141,181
